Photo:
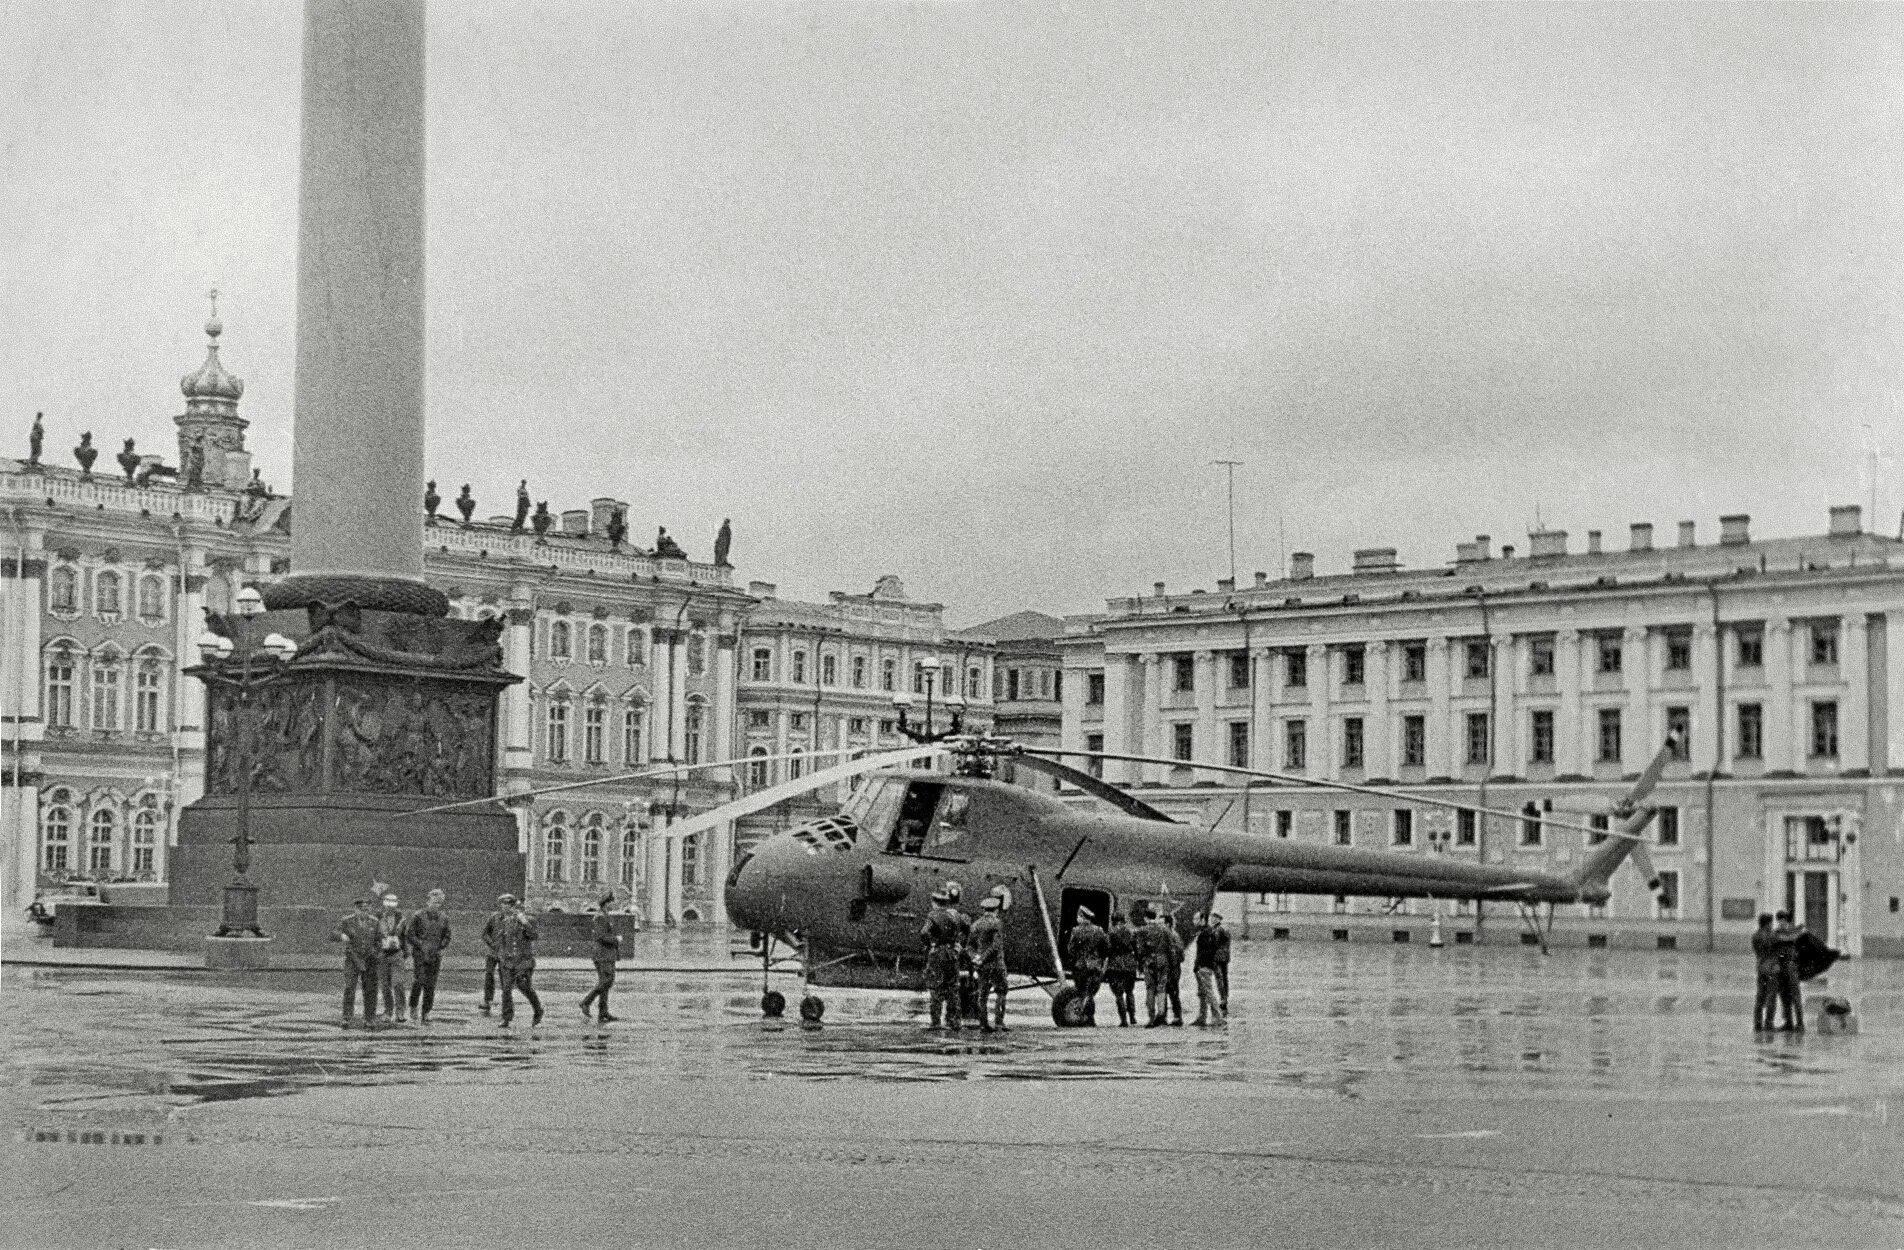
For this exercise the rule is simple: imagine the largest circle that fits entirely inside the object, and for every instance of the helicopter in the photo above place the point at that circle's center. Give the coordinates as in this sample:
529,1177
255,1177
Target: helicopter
847,893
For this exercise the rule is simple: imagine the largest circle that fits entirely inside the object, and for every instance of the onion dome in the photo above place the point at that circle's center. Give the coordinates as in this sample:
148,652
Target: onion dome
211,389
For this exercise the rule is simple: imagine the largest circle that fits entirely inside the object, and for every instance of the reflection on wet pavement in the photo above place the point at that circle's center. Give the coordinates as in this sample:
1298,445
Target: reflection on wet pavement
1355,1021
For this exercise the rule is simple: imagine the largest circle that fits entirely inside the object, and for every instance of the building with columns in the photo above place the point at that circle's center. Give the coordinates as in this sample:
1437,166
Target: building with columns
820,680
1517,681
628,658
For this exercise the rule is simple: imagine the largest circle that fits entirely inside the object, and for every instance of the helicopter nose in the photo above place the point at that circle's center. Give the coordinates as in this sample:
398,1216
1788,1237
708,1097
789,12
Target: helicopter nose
754,888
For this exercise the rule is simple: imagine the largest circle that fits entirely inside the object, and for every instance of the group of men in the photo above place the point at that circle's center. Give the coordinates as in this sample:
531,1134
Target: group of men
1776,948
1155,951
962,953
397,957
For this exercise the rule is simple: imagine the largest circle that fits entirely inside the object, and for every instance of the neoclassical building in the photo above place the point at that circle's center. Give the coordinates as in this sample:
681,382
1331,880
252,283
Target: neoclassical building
1522,680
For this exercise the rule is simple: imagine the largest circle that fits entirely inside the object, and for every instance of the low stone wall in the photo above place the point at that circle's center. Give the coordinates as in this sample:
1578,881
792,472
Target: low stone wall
301,930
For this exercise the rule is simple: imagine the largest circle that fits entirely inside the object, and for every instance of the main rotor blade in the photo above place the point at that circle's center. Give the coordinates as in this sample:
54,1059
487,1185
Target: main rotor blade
1130,805
763,799
658,769
1579,805
1650,778
1546,818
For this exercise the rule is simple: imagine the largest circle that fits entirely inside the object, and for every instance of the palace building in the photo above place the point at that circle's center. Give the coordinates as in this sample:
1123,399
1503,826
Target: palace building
1531,680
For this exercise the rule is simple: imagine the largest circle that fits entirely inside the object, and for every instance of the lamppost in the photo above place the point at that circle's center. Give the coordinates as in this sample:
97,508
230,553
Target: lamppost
926,734
1439,836
239,914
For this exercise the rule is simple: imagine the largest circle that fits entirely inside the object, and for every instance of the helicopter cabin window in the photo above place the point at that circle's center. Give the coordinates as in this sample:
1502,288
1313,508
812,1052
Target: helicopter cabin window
932,820
948,831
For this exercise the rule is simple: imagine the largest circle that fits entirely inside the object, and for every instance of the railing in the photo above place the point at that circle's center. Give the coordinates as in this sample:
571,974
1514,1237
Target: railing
117,496
528,549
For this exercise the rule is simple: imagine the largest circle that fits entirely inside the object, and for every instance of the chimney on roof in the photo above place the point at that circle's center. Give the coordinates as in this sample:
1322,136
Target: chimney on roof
1376,560
599,510
1472,553
575,522
1686,532
1507,551
1846,520
1642,536
1262,578
1593,542
1302,566
1226,585
1158,587
1735,530
1545,543
762,590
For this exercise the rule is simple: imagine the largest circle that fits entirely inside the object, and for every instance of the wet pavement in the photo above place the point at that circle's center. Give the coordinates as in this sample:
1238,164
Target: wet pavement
1364,1094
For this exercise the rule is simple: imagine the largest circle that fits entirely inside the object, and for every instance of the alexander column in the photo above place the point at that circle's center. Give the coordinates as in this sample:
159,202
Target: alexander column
387,705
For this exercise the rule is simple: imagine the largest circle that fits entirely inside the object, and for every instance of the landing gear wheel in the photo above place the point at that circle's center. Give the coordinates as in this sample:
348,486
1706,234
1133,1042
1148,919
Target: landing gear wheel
773,1004
812,1007
1070,1009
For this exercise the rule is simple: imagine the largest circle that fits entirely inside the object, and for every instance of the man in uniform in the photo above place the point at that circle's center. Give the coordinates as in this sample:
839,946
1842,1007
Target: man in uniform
1791,998
427,934
1765,952
1120,970
505,904
605,950
393,960
515,962
1209,1002
943,935
965,1002
1090,951
1222,956
988,953
1173,979
1153,960
358,932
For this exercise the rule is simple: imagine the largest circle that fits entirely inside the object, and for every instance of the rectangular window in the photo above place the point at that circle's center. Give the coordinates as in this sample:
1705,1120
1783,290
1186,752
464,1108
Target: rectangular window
1540,657
1285,822
1344,832
1477,652
1354,666
1414,661
1824,642
1668,894
1094,743
1824,729
558,736
1607,653
1239,744
1296,745
1011,685
1601,824
1530,824
1465,825
1540,744
105,695
889,674
1414,741
1239,670
856,724
829,670
859,672
1183,673
631,734
595,734
146,705
60,682
1751,647
1609,735
1295,668
1678,650
799,668
797,722
1751,731
759,719
1668,819
1477,737
1352,742
1402,827
1094,689
693,730
1679,732
1183,741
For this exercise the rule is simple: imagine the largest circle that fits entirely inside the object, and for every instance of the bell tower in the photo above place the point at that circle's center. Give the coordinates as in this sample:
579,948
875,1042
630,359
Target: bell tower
211,434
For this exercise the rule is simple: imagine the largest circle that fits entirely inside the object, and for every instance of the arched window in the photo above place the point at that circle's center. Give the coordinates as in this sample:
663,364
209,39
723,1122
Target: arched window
148,685
595,732
598,644
888,674
145,840
859,672
593,836
630,853
107,673
632,718
762,667
637,651
691,860
56,833
974,682
106,593
829,670
556,741
555,847
696,725
151,597
62,590
799,675
61,679
759,773
102,830
560,645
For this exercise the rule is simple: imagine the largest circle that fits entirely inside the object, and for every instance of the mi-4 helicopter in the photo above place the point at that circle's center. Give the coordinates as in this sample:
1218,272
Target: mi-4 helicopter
846,894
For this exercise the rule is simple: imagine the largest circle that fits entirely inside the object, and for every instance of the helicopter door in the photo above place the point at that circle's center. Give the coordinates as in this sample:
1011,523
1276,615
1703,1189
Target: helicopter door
915,818
1069,904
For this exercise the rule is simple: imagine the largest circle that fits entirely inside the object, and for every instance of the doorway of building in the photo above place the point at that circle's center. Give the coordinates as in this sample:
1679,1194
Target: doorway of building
1811,895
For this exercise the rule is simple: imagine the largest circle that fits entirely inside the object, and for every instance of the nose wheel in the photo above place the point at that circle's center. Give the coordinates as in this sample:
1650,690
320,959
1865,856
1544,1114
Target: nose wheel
773,1004
812,1008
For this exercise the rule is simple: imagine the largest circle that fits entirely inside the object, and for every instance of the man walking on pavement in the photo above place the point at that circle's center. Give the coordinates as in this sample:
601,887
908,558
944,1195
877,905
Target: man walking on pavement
988,953
1209,1001
505,903
393,960
1173,978
1222,957
358,932
606,949
515,963
1153,957
427,935
942,935
1090,951
1791,998
1765,954
1120,970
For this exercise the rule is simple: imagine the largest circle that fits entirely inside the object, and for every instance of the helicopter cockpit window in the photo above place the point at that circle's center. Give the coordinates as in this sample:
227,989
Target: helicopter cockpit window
915,818
948,831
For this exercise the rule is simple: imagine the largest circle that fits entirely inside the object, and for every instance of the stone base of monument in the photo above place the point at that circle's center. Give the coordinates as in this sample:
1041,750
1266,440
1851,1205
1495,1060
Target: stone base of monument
237,954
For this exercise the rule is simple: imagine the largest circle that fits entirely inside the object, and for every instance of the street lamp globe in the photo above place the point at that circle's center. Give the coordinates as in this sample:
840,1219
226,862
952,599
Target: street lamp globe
901,699
213,646
249,602
279,646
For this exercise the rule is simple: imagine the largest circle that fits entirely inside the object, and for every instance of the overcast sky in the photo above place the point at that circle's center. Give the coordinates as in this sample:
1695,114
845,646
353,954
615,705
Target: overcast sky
976,293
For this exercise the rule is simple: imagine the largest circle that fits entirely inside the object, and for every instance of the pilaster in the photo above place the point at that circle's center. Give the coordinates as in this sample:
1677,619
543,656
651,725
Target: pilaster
1323,747
1854,715
1207,746
1441,727
1147,728
518,726
1569,727
1638,741
1704,747
23,572
1779,745
1379,731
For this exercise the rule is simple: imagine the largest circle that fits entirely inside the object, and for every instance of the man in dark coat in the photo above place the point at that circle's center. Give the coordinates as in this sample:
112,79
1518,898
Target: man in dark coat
1153,960
605,949
1766,954
1221,937
515,962
943,936
1090,952
427,935
988,956
1173,974
1209,1003
505,903
1120,969
358,931
1790,998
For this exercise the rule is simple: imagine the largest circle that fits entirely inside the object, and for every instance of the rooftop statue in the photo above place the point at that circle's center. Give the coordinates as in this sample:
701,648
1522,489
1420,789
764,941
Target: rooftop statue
723,543
129,461
617,528
522,507
86,453
35,437
431,502
666,548
466,504
543,520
